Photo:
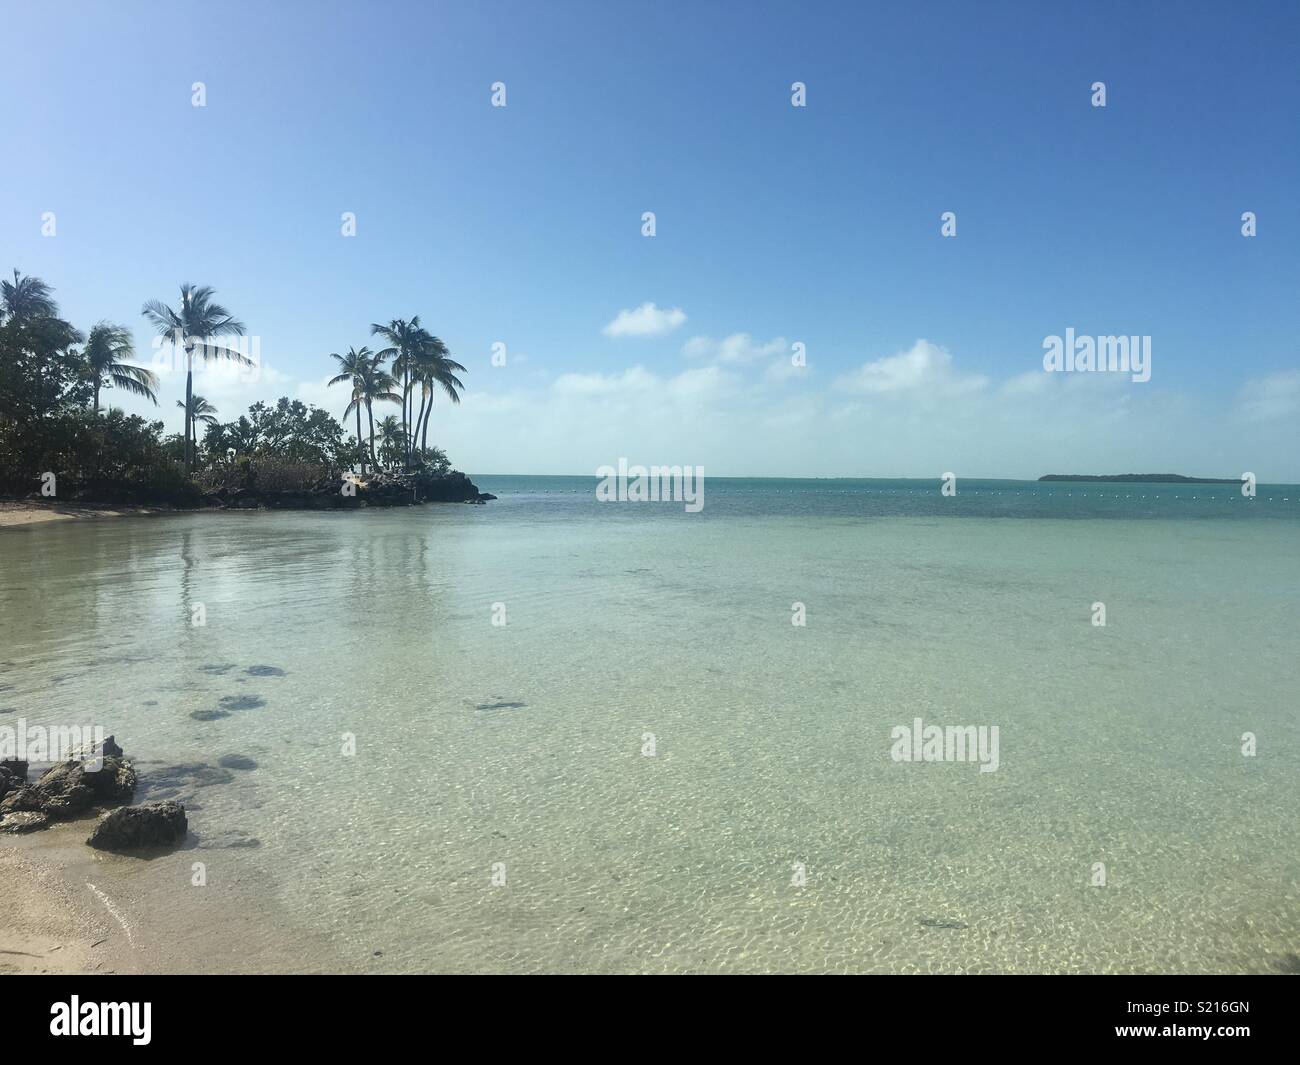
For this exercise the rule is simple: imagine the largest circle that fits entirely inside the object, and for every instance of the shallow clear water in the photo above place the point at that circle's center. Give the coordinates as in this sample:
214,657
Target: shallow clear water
522,744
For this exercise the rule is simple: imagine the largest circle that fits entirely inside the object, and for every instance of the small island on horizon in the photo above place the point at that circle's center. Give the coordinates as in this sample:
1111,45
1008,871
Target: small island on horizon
1141,478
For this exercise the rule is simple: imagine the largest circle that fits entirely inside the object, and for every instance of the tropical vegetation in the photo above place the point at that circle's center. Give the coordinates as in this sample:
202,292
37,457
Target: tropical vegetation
57,418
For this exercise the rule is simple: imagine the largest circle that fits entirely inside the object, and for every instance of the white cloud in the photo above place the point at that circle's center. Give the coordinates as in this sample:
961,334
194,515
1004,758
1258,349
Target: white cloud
633,380
646,321
782,370
737,348
885,423
1275,396
925,367
916,413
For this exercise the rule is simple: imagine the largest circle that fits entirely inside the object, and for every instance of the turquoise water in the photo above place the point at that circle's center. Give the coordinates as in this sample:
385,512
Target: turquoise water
770,829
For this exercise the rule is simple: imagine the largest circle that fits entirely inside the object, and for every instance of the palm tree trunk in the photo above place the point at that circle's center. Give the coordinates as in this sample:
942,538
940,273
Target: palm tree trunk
189,421
359,444
406,396
418,419
424,443
370,414
96,395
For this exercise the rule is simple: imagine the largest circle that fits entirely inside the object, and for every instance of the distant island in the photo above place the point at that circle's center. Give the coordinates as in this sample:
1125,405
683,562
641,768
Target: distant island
1143,478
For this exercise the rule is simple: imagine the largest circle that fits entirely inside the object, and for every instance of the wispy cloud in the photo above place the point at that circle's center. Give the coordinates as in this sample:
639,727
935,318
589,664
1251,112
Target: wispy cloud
1263,399
647,320
737,348
924,367
913,413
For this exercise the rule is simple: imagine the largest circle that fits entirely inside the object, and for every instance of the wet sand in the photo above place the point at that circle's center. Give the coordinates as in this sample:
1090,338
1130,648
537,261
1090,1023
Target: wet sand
71,909
28,512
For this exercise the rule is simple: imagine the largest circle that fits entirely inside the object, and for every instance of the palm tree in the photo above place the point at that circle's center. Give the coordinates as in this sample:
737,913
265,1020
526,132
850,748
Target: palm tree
200,410
106,346
404,338
27,298
41,338
378,387
394,439
371,384
355,367
194,325
434,368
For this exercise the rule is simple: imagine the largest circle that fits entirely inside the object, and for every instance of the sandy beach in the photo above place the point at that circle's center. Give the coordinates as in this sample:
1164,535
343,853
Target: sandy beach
14,513
70,909
47,928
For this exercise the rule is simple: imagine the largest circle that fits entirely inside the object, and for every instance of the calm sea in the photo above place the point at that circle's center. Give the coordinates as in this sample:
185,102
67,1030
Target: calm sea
554,734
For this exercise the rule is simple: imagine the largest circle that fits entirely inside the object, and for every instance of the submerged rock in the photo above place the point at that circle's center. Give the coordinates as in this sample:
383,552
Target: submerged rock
183,781
241,702
128,828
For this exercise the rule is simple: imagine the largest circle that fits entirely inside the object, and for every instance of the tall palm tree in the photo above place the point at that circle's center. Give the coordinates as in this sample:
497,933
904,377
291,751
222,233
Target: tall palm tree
378,387
27,298
192,327
404,339
375,385
200,410
355,367
106,346
41,338
434,368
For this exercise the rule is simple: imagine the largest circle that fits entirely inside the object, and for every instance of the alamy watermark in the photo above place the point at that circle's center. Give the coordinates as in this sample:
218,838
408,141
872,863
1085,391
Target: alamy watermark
918,742
1087,354
36,743
175,354
654,484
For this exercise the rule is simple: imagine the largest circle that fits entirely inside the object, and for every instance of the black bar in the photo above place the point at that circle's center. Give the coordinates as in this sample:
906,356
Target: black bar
338,1014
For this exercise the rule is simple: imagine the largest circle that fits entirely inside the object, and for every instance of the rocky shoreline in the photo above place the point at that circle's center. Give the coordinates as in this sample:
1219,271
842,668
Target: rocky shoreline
96,779
350,491
346,493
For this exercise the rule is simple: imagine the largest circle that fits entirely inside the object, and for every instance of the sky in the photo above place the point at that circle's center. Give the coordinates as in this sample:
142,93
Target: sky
775,225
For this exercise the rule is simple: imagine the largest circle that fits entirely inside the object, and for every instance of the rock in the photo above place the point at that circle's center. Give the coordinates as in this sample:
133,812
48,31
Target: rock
107,746
158,824
24,821
11,778
69,788
181,782
23,797
15,768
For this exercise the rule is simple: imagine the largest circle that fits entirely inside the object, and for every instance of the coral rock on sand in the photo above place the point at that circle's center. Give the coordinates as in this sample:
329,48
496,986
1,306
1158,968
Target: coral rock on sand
15,769
69,788
24,821
158,824
106,746
13,775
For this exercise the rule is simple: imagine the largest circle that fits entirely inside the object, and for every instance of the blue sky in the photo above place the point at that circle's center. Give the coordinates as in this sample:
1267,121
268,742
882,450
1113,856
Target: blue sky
775,224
